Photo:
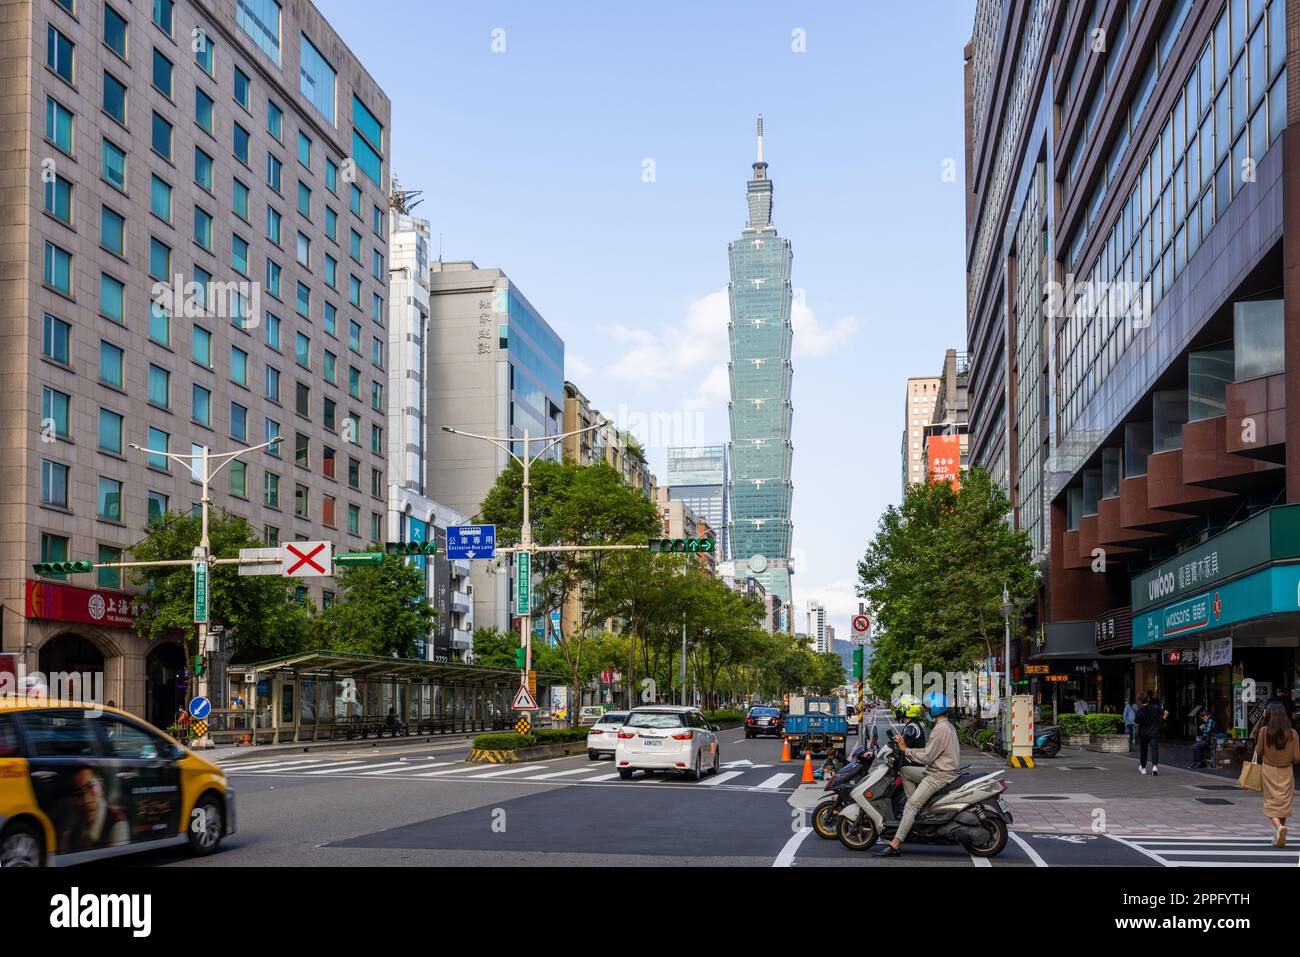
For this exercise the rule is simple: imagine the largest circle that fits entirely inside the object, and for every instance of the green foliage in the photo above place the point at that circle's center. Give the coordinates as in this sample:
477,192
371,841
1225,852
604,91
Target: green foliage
380,610
984,737
725,716
560,735
1103,723
1072,724
934,574
502,741
257,611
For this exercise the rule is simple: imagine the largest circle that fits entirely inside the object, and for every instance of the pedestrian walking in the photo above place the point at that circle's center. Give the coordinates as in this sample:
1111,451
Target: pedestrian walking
1130,722
1277,748
1150,722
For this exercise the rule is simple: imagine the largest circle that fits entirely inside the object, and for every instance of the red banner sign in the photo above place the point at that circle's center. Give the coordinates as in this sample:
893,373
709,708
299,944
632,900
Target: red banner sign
945,459
54,602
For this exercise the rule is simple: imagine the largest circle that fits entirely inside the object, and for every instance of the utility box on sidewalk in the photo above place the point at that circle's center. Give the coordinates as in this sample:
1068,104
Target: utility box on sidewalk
1022,726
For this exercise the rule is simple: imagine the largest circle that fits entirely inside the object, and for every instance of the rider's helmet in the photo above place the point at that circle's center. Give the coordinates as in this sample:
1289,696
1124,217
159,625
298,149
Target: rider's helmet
936,702
907,706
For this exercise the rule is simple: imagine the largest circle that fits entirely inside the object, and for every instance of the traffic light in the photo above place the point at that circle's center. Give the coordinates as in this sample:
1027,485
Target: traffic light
681,545
519,657
359,558
411,548
62,568
200,665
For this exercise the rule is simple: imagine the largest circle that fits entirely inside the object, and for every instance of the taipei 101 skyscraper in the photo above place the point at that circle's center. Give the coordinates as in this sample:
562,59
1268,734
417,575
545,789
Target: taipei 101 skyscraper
760,371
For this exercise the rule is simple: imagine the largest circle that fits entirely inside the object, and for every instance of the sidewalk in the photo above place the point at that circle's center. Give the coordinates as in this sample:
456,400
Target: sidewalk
1084,791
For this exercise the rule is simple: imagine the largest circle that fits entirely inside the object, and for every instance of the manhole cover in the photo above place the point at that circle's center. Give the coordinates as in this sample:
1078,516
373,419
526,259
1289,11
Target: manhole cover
1214,800
1050,797
1083,767
1218,787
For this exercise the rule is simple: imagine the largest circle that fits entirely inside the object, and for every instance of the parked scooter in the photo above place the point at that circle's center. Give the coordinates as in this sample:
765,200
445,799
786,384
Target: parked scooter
968,812
825,816
1047,741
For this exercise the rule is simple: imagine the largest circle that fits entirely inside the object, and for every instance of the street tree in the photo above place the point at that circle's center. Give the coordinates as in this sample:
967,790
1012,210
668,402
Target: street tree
258,613
573,505
379,609
934,574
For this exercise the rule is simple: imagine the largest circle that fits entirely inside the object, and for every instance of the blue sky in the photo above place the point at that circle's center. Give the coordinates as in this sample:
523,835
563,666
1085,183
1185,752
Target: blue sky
600,159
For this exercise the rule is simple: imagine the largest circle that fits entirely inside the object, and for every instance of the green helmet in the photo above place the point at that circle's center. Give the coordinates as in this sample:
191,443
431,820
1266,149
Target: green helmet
907,706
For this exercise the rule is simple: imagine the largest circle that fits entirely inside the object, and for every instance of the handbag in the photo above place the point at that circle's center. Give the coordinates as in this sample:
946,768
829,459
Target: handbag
1252,775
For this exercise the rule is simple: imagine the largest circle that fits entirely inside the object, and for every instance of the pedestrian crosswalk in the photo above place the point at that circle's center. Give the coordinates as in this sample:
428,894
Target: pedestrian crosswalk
1221,851
757,778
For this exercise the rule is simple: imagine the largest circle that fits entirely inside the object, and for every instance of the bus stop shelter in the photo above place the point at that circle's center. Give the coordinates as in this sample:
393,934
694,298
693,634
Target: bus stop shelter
320,695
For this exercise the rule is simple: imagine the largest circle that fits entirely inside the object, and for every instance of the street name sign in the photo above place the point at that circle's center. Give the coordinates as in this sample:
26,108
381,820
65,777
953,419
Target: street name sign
200,593
471,541
524,584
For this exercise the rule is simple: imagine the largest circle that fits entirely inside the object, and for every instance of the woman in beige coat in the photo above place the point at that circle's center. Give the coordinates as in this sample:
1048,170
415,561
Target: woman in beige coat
1278,747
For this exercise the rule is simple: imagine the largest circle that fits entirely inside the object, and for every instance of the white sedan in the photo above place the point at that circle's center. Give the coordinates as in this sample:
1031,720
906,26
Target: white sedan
667,738
602,739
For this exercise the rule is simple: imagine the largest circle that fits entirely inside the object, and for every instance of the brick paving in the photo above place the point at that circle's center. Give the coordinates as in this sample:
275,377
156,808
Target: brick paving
1134,804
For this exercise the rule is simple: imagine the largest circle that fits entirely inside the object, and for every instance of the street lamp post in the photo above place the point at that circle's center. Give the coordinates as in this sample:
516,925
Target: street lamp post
201,554
1007,609
526,528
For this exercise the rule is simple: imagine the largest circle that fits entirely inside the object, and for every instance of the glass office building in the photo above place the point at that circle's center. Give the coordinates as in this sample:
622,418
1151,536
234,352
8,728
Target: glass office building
697,476
760,372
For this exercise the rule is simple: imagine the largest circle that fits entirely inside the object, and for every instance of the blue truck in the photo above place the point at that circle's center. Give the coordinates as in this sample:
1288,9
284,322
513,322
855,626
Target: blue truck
815,725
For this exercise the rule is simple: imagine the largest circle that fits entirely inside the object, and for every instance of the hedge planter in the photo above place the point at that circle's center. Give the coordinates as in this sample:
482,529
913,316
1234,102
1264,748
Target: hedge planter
1108,743
539,752
1076,740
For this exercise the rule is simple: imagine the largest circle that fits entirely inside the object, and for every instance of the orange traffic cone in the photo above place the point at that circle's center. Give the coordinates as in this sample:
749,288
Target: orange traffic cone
807,769
785,749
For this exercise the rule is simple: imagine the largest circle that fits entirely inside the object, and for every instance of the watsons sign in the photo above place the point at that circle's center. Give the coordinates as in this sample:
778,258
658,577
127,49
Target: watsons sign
1269,591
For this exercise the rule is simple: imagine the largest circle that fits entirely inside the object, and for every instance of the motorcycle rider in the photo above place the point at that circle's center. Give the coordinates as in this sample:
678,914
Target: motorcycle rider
908,711
942,759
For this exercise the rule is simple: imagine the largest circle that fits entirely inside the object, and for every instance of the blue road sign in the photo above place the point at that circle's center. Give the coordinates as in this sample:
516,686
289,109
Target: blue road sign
200,708
471,541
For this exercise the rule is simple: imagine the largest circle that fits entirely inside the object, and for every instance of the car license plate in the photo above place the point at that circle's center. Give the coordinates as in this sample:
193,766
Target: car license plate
764,720
652,742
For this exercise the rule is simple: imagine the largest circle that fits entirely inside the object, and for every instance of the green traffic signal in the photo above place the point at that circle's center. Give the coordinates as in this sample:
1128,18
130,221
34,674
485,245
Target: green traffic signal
681,545
62,568
411,548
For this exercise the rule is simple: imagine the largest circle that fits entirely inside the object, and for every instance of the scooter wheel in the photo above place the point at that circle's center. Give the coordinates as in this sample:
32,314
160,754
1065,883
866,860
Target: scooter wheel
996,837
857,835
1051,752
824,819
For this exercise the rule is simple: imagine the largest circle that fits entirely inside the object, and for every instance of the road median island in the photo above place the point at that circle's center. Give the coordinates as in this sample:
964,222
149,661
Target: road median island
511,748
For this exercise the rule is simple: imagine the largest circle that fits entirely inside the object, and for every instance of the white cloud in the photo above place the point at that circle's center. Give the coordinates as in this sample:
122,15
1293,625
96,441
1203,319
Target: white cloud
577,368
810,337
839,597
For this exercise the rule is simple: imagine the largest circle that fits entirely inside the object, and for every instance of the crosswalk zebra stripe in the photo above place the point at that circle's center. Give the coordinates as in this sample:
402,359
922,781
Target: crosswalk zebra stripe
562,774
775,781
341,768
406,766
296,768
599,777
497,774
719,778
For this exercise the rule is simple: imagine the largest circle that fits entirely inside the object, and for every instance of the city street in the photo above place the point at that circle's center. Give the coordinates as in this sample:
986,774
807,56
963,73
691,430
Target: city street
423,804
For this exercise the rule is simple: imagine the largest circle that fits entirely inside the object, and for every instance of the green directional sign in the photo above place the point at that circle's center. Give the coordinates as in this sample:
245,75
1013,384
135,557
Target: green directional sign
701,545
359,558
200,593
524,583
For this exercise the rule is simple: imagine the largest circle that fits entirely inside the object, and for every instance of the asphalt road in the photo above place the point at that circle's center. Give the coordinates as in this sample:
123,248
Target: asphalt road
423,805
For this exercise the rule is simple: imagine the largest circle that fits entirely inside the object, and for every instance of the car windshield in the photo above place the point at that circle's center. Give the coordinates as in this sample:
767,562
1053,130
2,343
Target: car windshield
655,719
616,717
764,712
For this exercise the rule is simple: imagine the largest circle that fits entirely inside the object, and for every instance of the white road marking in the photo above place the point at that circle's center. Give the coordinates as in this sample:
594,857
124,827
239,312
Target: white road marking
719,778
775,781
350,766
1033,854
1139,848
599,777
786,857
406,766
981,861
515,770
301,766
561,774
460,770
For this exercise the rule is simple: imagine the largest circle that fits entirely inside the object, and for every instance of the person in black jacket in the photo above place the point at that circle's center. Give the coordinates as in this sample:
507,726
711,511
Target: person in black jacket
1150,722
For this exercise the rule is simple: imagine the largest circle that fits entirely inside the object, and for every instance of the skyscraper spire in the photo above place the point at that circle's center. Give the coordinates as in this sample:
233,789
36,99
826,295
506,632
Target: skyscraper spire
760,167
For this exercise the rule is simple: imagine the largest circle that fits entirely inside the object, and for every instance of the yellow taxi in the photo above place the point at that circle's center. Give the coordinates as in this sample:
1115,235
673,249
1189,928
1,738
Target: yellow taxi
79,782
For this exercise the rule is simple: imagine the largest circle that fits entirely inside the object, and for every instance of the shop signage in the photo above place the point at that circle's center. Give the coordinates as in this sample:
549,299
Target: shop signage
1178,656
1037,669
1270,535
1269,591
1056,678
54,602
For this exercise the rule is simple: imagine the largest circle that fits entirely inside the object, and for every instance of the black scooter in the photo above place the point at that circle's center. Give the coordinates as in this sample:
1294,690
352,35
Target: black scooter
825,815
